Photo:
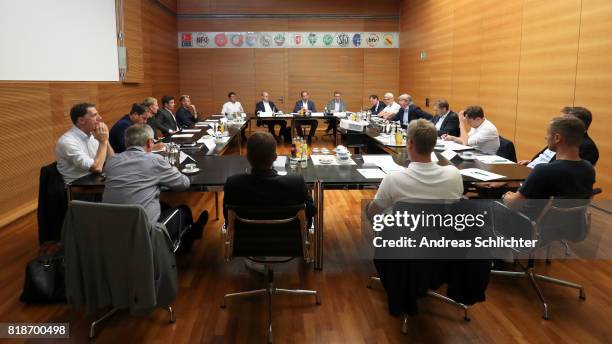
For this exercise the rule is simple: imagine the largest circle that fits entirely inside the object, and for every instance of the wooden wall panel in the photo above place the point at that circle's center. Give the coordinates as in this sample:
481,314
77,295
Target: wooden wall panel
547,73
380,73
133,41
195,77
233,70
381,7
45,107
499,62
271,76
593,80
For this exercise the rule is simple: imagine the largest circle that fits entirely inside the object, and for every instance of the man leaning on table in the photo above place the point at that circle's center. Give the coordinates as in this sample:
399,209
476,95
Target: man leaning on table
391,107
85,147
476,131
408,111
309,106
186,115
265,105
136,177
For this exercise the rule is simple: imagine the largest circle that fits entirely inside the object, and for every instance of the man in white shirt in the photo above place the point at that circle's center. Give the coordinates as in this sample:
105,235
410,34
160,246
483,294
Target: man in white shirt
476,131
84,148
391,106
232,106
422,179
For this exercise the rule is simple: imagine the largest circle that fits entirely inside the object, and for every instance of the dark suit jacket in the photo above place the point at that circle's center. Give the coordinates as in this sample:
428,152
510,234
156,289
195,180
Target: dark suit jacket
267,188
588,151
259,107
298,106
450,125
166,121
52,204
414,112
377,108
184,118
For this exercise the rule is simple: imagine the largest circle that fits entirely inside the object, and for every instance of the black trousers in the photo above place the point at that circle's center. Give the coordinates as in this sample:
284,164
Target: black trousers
313,123
280,122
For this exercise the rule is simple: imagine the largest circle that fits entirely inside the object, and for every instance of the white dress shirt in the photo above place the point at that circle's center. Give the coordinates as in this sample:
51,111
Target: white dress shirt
441,120
305,105
75,153
230,107
392,109
485,138
267,107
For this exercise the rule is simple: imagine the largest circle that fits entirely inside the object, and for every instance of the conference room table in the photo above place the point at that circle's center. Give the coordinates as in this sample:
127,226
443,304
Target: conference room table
215,169
292,118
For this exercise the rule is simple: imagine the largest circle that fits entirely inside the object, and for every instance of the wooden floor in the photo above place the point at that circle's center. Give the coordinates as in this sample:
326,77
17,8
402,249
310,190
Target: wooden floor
349,313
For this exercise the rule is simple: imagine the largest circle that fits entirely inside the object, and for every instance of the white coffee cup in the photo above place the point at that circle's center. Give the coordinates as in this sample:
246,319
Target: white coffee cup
190,167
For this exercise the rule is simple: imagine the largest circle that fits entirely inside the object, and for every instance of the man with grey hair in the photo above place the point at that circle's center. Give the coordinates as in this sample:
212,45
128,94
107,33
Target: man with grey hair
135,177
408,111
422,179
391,107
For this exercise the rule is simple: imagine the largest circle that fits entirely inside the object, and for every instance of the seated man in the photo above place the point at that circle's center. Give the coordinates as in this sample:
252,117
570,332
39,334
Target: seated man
334,105
482,133
166,118
153,121
568,176
265,105
84,148
138,115
588,149
263,186
445,120
422,179
135,177
391,107
307,106
232,106
186,115
377,105
408,111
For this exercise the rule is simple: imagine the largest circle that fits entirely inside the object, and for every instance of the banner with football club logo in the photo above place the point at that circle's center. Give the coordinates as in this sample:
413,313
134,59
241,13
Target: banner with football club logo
366,40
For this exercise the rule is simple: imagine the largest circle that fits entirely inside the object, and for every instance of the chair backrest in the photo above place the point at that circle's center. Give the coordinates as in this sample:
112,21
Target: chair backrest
506,149
52,204
564,219
266,231
109,256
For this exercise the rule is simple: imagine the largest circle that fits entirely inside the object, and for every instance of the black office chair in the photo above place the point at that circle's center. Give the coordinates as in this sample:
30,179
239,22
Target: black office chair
268,235
559,221
506,149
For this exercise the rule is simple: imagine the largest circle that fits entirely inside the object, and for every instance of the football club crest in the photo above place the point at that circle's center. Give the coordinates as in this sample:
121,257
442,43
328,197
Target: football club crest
237,39
251,39
388,40
328,39
357,40
279,39
201,39
186,40
373,40
265,40
312,38
221,39
297,39
342,39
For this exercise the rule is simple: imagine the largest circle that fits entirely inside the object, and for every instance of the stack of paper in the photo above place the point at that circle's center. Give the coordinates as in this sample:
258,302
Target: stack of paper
280,162
371,173
385,162
340,114
265,114
191,130
479,174
493,159
175,136
317,114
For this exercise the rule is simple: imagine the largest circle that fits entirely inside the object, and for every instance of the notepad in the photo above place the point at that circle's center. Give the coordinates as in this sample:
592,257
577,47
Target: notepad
493,159
385,162
479,174
176,136
191,130
265,114
371,173
317,114
280,161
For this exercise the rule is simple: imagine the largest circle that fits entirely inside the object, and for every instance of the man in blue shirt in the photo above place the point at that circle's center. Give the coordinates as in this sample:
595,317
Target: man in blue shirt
138,115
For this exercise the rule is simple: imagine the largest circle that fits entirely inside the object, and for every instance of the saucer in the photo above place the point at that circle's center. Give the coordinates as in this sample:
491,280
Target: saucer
186,171
467,158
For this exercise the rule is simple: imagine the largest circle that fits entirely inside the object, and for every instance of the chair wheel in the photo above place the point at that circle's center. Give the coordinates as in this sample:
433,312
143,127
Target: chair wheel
222,306
545,317
467,319
582,297
318,303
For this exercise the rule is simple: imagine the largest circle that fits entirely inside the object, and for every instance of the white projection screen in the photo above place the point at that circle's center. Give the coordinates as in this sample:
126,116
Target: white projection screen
58,40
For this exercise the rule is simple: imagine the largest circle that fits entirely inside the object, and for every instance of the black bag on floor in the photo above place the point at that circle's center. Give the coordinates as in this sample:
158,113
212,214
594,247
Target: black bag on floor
44,276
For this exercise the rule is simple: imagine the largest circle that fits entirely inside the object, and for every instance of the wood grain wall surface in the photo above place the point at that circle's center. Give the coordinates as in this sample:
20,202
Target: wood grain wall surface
522,60
207,75
34,115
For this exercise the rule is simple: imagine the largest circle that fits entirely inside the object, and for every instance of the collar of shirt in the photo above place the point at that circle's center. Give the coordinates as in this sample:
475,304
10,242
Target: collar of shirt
80,133
135,148
421,166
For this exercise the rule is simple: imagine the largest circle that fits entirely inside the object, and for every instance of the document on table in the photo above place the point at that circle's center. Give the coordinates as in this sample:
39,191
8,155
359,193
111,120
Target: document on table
184,156
454,146
265,114
191,130
317,114
371,173
340,114
448,154
434,158
280,162
493,159
385,162
202,124
479,174
209,143
182,135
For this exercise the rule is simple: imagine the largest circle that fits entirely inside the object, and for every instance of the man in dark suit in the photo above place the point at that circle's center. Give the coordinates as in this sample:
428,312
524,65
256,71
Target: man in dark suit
307,106
408,111
166,118
265,105
445,120
377,105
186,115
263,186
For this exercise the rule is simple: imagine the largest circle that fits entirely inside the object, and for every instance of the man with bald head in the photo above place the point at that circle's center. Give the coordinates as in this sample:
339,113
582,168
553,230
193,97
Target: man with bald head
391,107
408,111
265,105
